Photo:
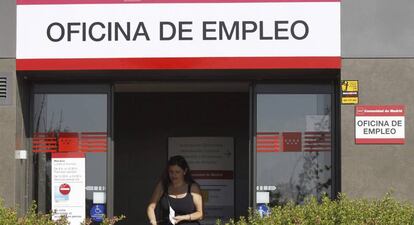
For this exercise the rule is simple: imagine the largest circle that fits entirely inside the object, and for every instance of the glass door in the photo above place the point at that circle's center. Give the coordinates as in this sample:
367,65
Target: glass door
70,143
293,143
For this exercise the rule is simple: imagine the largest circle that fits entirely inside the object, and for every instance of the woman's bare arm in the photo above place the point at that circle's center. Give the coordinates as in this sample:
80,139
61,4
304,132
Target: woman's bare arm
198,202
156,195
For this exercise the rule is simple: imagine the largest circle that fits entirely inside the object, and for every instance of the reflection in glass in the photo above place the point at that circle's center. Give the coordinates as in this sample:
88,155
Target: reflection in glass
82,117
293,144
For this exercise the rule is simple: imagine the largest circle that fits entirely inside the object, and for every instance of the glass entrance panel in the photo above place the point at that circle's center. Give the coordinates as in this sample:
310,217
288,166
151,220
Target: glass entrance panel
293,147
68,125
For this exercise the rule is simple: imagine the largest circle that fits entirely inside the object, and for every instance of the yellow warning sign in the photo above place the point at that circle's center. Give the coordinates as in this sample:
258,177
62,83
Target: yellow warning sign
350,100
349,92
349,85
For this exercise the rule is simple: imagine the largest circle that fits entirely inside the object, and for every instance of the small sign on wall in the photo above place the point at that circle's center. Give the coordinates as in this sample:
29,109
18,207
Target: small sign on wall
349,92
380,124
68,187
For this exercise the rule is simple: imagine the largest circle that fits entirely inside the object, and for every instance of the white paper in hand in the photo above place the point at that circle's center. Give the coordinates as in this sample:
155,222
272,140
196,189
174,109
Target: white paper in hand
172,215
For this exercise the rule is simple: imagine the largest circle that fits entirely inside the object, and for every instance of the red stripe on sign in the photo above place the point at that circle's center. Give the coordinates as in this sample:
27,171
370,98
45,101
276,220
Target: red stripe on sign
93,142
180,63
267,142
212,174
380,141
55,2
68,155
44,142
380,110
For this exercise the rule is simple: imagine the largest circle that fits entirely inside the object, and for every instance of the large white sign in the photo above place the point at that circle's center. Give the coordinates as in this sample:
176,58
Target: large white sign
211,160
252,29
68,187
380,124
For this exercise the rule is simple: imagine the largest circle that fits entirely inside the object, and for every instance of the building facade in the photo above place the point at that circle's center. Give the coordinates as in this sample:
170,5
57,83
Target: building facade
258,126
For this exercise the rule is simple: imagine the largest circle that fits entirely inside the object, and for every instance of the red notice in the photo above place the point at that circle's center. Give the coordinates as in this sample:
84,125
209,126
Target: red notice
292,141
64,189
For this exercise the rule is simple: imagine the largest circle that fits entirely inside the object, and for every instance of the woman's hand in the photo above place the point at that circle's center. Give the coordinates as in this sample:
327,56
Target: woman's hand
181,218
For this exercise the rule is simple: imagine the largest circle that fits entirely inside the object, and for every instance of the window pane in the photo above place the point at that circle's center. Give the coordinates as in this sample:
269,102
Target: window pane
293,144
82,116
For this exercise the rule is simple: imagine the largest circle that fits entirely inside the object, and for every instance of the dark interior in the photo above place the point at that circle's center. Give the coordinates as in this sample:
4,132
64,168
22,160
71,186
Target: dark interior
144,121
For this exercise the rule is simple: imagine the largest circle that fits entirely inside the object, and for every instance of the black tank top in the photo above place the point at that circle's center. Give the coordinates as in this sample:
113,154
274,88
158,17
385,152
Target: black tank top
181,206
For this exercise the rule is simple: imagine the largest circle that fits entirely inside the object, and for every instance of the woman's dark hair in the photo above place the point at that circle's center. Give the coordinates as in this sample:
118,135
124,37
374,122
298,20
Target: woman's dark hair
180,161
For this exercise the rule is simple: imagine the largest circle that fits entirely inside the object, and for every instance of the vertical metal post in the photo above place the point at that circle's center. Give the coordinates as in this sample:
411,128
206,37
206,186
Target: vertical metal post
110,155
252,149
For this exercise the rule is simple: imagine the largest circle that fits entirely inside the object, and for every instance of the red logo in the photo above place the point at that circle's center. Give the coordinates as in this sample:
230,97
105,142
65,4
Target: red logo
292,141
64,189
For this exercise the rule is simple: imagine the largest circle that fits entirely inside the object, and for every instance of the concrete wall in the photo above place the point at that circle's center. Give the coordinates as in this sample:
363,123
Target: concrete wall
378,50
8,166
373,170
7,136
377,28
7,28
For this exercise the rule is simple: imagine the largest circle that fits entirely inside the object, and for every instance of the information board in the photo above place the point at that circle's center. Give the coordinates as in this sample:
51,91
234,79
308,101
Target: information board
380,124
68,187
